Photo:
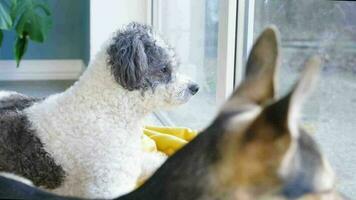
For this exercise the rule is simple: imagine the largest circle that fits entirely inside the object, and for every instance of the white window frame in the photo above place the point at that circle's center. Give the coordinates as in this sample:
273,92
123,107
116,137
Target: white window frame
244,36
235,38
226,50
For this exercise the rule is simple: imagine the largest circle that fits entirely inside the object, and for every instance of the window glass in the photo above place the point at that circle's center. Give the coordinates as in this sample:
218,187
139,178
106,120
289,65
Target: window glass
327,28
191,27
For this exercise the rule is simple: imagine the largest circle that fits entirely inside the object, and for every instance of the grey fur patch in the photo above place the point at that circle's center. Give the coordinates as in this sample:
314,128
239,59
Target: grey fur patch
16,102
21,152
137,61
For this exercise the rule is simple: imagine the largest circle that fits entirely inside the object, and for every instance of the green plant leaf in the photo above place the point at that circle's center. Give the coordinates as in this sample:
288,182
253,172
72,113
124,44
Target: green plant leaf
13,9
1,37
33,21
5,18
17,8
44,7
20,48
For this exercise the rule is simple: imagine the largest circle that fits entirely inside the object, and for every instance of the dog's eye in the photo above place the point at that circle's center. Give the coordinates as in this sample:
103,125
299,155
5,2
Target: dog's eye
164,70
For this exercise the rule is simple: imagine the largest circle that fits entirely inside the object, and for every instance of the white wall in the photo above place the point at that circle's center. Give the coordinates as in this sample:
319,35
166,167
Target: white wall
106,16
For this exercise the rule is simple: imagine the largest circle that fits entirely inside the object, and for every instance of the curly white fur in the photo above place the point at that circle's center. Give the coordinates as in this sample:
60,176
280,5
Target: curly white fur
93,130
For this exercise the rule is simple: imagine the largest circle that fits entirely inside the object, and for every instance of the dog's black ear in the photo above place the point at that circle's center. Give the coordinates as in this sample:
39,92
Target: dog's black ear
127,58
259,85
286,111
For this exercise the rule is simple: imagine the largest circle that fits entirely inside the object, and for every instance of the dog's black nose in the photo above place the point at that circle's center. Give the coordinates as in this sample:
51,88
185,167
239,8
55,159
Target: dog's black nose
193,88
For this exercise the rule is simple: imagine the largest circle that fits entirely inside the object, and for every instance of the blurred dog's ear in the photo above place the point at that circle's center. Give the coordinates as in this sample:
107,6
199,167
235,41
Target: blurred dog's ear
281,117
259,85
128,60
286,111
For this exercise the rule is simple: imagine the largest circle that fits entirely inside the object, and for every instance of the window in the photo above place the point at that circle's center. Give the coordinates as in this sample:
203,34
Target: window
192,28
213,39
206,32
327,28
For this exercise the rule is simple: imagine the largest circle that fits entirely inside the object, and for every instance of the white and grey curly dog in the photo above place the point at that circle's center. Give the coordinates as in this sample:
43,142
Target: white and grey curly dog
86,141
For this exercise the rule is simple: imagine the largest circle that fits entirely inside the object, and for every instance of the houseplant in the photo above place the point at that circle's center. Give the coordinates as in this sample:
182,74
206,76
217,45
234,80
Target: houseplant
29,19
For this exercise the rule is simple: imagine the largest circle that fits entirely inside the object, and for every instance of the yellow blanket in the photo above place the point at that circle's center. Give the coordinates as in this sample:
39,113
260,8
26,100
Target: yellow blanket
166,139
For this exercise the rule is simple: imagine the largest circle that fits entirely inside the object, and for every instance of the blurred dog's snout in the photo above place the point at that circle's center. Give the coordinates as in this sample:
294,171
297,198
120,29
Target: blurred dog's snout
193,88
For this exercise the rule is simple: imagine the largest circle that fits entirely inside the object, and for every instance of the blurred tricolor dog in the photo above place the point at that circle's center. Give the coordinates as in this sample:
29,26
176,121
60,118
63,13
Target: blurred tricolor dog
86,141
255,148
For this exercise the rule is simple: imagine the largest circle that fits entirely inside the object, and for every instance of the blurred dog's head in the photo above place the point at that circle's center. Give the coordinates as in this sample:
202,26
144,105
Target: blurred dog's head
264,152
140,60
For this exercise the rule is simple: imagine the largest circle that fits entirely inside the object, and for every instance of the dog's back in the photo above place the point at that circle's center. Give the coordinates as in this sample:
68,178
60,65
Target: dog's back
12,101
254,149
21,152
